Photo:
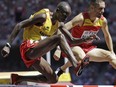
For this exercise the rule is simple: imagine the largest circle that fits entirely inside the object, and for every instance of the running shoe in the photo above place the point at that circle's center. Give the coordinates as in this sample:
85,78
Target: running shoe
78,71
14,78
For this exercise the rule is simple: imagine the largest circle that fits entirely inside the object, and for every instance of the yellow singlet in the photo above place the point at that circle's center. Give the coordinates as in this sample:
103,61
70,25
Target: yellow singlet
35,32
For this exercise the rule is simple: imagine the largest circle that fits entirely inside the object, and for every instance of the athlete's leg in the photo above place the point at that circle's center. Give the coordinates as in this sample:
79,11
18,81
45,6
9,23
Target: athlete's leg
78,52
101,55
48,44
81,58
68,51
47,74
79,55
43,47
46,70
66,65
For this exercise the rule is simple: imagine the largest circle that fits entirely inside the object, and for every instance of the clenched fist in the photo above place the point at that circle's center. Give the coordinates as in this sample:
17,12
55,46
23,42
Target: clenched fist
6,50
92,37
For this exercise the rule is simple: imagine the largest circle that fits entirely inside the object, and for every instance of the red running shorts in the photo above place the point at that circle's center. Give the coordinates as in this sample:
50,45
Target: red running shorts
25,46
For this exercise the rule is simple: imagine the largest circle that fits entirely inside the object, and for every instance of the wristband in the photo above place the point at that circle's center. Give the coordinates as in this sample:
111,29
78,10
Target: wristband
8,45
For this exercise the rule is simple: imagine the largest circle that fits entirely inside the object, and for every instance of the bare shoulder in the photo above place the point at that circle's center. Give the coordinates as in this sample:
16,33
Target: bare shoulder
36,19
78,19
79,16
42,16
39,18
105,22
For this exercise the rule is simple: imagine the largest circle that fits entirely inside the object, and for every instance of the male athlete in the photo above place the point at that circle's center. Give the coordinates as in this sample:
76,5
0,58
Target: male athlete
33,47
84,25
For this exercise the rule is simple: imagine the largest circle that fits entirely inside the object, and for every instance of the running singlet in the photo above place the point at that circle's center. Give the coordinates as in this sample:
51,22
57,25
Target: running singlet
88,28
35,32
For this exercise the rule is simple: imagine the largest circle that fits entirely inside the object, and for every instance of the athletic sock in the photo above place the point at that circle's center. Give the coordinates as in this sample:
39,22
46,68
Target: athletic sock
59,71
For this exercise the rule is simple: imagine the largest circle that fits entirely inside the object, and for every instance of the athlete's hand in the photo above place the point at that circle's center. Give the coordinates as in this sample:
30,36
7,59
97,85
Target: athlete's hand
92,37
6,50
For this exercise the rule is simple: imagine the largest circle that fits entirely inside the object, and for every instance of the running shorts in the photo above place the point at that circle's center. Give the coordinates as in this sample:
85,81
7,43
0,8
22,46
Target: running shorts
25,46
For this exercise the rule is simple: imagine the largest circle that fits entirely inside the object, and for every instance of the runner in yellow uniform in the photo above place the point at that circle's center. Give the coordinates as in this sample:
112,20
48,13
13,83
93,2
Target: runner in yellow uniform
33,47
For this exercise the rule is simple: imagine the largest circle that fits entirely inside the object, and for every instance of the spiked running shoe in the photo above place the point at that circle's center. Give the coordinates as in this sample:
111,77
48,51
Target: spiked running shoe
14,78
81,66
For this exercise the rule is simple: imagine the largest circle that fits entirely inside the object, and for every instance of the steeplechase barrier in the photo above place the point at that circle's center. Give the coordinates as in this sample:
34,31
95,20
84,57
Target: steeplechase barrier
64,81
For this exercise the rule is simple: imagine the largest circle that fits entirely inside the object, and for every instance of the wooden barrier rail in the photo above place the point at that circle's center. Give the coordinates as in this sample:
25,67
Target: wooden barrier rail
5,76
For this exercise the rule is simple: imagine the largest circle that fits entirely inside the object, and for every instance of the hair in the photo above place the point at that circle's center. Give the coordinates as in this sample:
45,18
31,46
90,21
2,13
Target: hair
95,2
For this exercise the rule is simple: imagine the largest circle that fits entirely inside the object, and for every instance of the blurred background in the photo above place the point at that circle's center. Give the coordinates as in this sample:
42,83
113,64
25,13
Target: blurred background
14,11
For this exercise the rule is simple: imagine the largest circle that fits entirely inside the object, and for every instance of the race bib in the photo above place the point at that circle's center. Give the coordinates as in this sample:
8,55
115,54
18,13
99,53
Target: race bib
87,34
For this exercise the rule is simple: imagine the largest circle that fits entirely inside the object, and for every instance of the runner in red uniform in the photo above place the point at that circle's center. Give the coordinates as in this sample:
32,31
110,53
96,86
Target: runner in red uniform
86,30
86,24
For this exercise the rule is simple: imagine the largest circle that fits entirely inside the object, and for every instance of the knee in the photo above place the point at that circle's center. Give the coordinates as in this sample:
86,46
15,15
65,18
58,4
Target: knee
61,36
58,37
111,57
113,63
78,52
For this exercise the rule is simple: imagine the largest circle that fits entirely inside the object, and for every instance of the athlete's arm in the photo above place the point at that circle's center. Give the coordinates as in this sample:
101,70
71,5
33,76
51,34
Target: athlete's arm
77,20
73,40
107,35
28,22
